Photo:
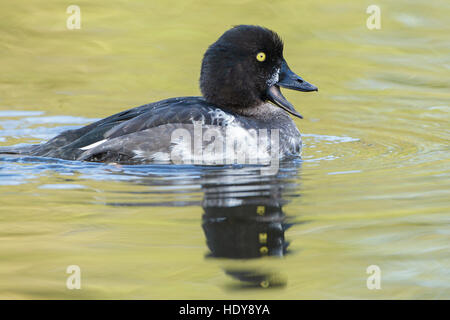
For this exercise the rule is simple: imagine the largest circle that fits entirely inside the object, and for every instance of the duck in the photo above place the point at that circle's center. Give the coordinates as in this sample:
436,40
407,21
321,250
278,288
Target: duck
240,80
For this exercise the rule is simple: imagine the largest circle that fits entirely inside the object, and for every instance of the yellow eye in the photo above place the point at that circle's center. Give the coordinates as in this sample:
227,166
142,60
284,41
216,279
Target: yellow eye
261,56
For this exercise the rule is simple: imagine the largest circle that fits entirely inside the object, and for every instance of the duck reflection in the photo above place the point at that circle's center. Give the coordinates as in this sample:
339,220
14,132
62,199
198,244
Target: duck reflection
249,223
243,218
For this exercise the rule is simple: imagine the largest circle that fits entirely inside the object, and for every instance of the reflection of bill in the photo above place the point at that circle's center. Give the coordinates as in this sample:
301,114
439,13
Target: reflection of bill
217,145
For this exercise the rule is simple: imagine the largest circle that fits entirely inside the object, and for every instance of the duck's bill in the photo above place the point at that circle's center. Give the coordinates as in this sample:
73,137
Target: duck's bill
275,96
289,80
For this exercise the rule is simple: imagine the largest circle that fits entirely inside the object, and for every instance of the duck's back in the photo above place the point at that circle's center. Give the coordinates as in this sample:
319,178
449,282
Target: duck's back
146,134
72,144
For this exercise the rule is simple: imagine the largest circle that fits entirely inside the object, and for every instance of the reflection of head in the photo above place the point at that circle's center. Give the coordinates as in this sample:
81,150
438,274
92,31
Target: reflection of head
246,231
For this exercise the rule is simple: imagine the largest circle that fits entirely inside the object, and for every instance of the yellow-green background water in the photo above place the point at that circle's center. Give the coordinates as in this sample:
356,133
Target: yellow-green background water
373,188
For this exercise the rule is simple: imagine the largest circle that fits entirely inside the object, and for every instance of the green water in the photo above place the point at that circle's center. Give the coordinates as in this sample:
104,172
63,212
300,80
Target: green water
373,187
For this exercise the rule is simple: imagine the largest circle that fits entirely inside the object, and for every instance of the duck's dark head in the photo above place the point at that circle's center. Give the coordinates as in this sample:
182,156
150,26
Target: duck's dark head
245,67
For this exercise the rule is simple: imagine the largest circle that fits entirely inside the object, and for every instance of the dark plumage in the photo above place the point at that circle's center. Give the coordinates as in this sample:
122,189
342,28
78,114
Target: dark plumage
240,73
231,77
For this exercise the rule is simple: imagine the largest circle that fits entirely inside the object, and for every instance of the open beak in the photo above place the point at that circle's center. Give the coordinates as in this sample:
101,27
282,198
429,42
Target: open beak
289,80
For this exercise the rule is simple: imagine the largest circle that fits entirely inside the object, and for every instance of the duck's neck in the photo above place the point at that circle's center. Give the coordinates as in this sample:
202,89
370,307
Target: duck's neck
266,111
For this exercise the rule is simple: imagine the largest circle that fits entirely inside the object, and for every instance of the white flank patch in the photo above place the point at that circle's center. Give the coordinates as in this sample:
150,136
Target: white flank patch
93,145
236,144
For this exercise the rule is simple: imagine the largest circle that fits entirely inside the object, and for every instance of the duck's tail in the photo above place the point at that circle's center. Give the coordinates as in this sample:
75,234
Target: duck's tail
18,149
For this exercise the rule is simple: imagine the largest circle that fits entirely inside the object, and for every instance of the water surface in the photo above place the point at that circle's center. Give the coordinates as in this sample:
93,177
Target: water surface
372,187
